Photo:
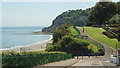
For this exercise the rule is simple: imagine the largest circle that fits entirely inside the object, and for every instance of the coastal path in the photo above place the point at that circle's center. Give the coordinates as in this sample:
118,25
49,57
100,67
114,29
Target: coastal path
59,64
105,59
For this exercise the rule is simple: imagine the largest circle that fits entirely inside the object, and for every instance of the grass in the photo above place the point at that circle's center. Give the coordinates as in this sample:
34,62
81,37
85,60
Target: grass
73,32
93,47
97,33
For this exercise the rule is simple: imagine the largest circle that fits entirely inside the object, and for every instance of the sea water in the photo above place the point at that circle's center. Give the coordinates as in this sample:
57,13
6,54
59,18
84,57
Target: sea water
13,37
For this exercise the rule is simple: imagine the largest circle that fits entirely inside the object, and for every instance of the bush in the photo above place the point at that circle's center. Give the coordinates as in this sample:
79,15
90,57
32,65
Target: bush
60,32
78,47
29,59
109,34
71,45
12,53
53,48
76,29
57,35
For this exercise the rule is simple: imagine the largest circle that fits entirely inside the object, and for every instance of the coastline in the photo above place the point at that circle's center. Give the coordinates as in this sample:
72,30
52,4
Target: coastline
38,46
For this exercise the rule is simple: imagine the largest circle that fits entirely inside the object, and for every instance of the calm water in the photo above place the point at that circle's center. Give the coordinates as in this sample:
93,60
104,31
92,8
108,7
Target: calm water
21,36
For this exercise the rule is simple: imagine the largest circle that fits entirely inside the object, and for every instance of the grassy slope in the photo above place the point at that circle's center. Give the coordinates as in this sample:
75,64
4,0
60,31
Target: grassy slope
93,47
96,33
73,32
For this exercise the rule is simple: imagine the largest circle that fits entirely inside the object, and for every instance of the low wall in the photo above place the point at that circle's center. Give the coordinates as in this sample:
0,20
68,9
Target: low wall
113,59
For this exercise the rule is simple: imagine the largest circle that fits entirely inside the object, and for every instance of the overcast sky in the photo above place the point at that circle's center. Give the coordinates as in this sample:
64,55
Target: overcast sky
36,13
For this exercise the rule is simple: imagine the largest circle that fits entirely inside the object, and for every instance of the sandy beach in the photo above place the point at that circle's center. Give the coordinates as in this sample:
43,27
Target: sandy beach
36,47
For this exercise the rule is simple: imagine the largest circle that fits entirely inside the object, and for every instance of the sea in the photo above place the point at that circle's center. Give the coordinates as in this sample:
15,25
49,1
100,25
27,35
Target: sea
13,37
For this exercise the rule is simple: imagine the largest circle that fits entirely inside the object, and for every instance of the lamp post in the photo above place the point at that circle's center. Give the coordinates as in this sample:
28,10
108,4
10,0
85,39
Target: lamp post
84,26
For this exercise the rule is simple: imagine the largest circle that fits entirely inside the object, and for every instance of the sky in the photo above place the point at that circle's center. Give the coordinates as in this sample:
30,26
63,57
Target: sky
36,13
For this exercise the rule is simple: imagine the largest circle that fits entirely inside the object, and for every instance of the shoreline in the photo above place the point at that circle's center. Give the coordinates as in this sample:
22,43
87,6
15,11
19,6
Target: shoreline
38,46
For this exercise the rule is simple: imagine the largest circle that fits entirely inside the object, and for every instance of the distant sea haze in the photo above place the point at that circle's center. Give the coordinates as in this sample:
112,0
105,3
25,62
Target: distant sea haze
13,37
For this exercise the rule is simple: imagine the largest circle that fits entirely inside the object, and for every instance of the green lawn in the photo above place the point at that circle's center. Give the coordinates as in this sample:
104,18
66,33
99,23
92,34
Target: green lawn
73,32
96,33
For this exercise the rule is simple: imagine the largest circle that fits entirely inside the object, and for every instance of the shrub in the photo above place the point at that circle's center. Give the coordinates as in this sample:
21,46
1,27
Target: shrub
109,34
71,45
60,32
78,47
29,59
12,53
54,48
73,32
90,24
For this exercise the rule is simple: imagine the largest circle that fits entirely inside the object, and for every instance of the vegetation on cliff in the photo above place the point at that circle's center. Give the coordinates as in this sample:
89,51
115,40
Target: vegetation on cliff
77,17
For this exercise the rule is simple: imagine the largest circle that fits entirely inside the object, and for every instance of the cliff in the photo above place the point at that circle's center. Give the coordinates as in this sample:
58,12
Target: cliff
77,17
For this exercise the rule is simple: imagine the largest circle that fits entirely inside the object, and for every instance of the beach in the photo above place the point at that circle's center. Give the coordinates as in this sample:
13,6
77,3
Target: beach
24,39
36,47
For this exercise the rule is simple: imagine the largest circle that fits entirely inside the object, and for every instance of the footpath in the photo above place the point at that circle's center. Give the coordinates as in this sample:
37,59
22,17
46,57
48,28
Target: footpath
59,64
85,62
105,59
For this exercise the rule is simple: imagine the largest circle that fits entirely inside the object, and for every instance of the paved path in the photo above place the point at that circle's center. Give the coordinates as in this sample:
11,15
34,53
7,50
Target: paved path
105,59
59,64
92,61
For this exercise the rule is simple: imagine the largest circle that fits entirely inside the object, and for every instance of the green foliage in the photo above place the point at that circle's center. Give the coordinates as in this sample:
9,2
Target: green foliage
73,31
29,59
114,20
54,48
70,44
97,34
102,12
73,46
76,17
78,47
11,53
109,34
90,24
66,29
118,7
57,35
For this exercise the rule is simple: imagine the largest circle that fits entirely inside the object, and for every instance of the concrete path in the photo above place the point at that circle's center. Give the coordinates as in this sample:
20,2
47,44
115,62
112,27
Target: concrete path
89,62
93,62
59,64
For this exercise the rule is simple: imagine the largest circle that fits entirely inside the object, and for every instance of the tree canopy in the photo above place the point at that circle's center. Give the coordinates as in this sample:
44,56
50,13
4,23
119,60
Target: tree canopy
102,12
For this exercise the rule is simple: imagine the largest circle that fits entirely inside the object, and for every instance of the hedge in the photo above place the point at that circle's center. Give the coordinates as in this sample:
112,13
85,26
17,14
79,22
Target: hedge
109,34
73,31
32,60
76,29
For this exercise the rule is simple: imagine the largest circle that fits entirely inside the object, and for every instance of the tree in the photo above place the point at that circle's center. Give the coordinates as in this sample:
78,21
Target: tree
78,47
118,7
71,45
60,32
102,12
57,35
